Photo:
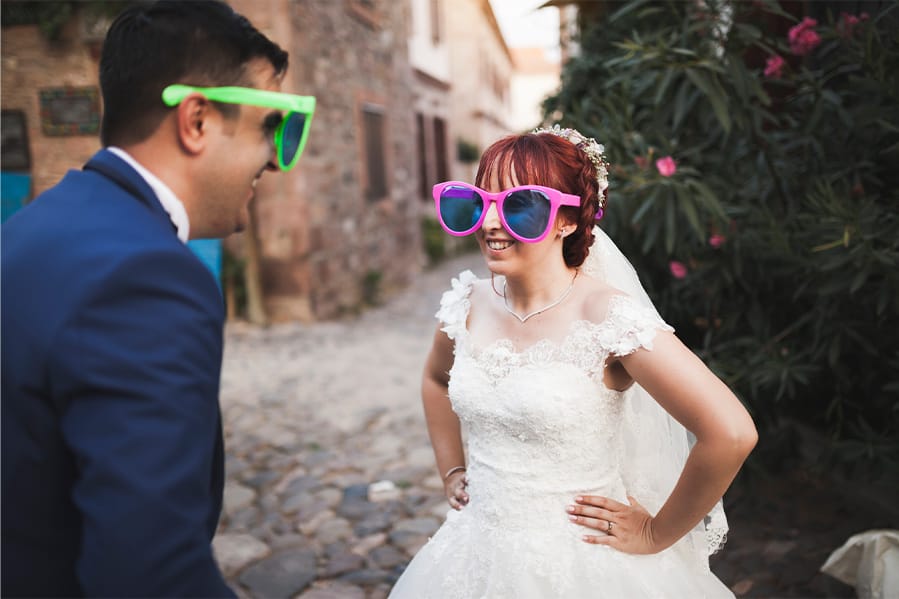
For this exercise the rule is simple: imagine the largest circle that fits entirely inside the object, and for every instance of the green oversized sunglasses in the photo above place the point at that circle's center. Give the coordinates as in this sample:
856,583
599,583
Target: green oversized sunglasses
291,134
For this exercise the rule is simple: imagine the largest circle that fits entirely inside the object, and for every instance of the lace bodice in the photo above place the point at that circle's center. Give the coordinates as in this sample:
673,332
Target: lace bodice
540,420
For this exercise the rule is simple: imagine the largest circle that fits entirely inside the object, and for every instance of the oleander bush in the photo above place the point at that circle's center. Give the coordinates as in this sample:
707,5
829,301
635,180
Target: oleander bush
755,186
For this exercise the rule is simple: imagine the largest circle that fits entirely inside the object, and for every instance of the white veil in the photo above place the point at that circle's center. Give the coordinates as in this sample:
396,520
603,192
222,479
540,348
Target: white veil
656,445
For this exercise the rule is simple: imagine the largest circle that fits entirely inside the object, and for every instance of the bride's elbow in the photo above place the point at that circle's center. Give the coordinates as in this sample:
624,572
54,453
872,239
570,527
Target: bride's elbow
744,438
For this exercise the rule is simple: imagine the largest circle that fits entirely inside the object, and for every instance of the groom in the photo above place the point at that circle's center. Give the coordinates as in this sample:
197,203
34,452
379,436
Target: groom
112,461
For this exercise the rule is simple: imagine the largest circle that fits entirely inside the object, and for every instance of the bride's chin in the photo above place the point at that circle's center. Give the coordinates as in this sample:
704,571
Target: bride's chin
499,268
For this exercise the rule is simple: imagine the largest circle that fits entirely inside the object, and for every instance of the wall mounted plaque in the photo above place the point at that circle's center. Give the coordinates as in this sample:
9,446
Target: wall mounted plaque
70,111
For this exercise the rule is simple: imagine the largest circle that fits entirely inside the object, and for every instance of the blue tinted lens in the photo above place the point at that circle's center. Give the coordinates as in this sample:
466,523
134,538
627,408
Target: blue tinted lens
527,212
291,135
460,208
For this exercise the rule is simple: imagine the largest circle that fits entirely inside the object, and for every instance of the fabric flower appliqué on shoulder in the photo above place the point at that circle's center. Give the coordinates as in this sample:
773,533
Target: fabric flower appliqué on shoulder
454,305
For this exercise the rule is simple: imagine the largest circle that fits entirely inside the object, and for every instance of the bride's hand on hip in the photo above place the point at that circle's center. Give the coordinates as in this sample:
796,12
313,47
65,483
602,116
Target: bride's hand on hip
627,528
454,489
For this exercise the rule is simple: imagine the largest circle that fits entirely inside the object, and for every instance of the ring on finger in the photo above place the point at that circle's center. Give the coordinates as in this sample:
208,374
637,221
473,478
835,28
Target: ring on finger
609,527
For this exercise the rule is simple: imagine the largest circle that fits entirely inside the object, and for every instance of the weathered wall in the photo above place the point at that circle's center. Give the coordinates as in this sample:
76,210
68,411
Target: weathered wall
31,63
321,239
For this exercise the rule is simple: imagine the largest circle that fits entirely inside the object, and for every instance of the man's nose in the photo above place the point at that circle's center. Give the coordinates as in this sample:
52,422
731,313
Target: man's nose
272,164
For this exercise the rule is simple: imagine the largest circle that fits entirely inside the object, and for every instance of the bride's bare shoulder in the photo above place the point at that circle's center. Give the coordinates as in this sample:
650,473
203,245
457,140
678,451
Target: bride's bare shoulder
595,298
480,287
484,294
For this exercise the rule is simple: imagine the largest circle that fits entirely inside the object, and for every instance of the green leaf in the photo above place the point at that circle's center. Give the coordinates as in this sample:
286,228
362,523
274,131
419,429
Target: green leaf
859,280
748,31
687,206
663,86
713,92
683,104
644,207
670,224
627,8
650,235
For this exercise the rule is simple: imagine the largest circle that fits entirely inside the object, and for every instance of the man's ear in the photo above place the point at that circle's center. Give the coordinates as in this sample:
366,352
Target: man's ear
192,120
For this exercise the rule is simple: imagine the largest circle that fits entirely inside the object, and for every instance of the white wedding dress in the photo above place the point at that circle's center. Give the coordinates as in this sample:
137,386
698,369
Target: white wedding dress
542,428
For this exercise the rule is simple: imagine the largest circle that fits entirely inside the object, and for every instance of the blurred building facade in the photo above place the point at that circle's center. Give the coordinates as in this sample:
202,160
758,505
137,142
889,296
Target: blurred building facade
537,74
344,228
429,55
402,86
481,72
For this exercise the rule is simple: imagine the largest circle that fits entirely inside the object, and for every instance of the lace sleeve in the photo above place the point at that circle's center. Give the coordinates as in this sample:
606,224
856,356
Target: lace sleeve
631,326
454,305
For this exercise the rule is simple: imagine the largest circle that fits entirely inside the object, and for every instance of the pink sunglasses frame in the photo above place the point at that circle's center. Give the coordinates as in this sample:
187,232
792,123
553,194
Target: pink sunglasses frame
556,199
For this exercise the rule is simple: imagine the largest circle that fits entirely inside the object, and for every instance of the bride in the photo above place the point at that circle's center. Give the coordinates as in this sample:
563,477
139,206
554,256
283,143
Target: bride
582,479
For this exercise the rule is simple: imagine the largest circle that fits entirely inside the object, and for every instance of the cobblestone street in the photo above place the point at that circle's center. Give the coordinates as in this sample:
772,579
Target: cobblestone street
331,485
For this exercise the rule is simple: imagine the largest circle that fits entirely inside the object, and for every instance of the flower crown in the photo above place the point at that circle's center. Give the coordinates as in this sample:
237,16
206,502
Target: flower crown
594,151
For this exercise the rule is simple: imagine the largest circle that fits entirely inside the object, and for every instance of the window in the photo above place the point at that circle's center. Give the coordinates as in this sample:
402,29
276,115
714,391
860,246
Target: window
435,21
375,165
15,153
440,149
421,148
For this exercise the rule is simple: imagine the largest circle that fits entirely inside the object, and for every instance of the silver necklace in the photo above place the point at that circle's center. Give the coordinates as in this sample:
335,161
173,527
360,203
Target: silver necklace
544,308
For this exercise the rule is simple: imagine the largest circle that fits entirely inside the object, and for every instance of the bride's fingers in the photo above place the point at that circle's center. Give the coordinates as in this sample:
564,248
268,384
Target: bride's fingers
598,501
590,512
460,496
603,540
594,523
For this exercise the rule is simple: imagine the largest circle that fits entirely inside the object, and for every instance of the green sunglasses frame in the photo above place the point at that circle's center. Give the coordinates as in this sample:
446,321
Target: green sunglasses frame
290,103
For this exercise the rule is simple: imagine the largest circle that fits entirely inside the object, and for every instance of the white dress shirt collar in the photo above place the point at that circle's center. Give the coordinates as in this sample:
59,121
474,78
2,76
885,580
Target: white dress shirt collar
170,202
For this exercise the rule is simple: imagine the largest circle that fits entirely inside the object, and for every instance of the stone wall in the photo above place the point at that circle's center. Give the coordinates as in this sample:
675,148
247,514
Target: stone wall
30,63
326,249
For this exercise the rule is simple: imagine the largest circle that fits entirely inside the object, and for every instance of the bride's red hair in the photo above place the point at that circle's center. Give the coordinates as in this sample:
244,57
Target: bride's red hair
551,161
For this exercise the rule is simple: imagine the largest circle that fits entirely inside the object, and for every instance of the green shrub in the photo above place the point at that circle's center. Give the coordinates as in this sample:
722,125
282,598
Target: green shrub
371,287
433,237
774,246
467,151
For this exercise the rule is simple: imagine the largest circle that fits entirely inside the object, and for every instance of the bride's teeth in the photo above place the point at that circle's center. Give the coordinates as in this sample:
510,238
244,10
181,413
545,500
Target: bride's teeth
498,245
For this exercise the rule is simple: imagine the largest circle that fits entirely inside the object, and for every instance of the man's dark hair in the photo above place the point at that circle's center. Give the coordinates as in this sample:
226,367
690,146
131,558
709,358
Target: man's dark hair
150,46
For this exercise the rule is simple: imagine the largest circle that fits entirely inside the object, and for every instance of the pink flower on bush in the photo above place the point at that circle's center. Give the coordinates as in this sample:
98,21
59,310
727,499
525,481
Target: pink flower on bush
774,67
846,26
716,240
678,270
803,38
666,166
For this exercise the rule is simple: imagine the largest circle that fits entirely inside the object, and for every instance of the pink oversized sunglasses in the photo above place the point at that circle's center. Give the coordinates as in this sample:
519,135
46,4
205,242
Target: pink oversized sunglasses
527,212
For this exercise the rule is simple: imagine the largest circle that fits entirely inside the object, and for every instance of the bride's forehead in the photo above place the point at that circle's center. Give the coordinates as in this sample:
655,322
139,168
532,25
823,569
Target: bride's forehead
501,176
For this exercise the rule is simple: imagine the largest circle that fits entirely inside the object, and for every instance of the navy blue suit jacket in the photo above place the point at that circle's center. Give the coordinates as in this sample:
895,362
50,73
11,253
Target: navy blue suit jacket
112,460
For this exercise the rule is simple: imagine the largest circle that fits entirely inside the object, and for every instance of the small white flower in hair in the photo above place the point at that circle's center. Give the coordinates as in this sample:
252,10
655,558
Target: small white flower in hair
594,151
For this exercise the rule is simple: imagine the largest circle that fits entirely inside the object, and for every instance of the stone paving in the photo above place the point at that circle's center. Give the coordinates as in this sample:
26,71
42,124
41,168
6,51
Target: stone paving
331,485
